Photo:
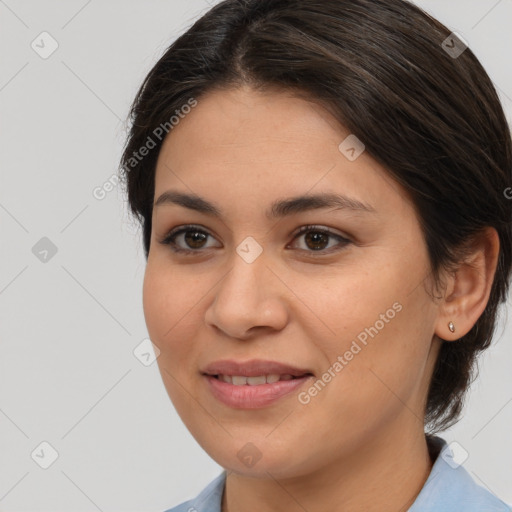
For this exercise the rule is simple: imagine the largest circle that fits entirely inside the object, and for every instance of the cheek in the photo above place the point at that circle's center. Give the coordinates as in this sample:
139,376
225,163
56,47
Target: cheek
382,330
165,316
152,296
161,308
162,297
170,309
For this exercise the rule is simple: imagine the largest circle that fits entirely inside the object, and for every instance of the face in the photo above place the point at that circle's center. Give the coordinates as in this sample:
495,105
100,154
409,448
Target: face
343,301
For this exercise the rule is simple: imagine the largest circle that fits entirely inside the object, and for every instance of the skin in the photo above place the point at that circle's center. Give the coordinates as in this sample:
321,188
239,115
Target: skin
358,444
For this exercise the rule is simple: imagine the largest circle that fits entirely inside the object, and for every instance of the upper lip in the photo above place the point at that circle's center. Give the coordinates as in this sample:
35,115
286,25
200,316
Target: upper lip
252,368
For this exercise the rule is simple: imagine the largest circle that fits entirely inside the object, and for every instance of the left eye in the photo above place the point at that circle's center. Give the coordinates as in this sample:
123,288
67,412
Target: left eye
316,239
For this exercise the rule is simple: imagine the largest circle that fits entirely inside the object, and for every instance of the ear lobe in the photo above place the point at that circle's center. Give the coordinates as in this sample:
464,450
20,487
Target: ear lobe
469,287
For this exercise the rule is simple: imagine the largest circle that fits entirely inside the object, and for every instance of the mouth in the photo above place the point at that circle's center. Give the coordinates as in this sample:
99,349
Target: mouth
257,380
251,392
254,370
253,384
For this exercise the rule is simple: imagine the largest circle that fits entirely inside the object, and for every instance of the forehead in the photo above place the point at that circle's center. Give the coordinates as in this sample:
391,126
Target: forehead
236,122
242,141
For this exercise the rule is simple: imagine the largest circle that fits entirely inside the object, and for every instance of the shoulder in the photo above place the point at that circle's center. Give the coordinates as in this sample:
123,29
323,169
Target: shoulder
450,487
208,500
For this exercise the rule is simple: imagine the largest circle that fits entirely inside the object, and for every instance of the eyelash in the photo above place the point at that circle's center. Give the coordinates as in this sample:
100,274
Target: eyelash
169,239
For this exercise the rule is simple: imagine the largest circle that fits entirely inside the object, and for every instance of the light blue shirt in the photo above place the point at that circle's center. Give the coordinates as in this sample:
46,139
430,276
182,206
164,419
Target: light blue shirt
449,488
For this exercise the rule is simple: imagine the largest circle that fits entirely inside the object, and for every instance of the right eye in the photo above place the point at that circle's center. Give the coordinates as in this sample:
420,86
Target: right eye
192,235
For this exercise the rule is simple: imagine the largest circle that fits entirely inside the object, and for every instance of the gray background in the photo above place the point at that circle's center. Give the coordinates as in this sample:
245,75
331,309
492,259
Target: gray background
69,326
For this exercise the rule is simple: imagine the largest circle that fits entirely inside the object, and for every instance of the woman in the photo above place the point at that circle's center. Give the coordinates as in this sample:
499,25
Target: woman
322,190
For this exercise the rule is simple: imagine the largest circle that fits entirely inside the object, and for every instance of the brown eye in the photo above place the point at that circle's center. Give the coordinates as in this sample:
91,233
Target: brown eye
316,239
194,239
191,239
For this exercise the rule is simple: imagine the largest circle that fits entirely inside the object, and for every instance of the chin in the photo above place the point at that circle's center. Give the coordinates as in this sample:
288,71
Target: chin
258,459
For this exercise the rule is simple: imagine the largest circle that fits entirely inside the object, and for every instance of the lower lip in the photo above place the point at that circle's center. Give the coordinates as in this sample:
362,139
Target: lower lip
253,397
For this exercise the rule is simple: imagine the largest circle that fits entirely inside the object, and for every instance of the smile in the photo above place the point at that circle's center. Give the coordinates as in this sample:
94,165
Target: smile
241,380
253,392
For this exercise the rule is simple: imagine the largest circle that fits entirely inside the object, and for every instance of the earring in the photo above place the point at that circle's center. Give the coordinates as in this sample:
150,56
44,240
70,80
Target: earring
451,327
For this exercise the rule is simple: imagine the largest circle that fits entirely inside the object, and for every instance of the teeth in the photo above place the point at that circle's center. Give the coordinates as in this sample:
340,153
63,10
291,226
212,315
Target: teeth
240,380
254,381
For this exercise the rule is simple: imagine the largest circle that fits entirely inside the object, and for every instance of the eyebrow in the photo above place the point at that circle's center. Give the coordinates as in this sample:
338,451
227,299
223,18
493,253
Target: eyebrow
279,208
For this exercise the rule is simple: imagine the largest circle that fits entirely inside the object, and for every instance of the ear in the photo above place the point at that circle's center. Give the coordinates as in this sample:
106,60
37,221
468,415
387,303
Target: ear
468,289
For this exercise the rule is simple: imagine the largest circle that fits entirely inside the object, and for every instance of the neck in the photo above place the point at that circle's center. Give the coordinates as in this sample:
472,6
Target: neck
384,474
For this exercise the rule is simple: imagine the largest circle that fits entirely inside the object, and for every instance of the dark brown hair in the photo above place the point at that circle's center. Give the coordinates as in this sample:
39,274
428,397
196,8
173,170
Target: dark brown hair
430,117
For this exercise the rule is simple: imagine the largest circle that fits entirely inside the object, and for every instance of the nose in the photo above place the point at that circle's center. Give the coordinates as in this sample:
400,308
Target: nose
249,299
